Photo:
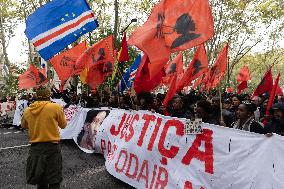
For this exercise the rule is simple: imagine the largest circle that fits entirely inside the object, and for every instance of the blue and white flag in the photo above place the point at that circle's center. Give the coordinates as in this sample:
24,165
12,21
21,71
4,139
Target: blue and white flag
57,24
129,76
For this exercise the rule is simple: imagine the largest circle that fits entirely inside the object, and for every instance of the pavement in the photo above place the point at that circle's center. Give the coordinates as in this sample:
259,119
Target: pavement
80,170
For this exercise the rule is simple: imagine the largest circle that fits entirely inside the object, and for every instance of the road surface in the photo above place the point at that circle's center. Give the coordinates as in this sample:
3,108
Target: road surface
80,170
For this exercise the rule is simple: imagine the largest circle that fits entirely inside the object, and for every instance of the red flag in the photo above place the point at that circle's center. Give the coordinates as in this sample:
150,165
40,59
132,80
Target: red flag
100,53
39,76
95,76
142,81
186,23
197,67
265,85
97,73
174,66
198,81
32,78
242,86
27,80
279,91
43,70
149,38
172,90
123,55
64,63
244,74
272,94
230,90
217,71
173,26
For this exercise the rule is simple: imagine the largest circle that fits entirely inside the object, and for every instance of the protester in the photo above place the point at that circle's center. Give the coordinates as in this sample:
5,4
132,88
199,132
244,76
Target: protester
42,119
177,108
227,116
145,101
113,101
227,104
276,124
203,111
245,119
236,101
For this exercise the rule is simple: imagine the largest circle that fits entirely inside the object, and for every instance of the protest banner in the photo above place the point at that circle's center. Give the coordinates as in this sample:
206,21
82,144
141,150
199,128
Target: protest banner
148,150
21,105
7,110
70,112
7,107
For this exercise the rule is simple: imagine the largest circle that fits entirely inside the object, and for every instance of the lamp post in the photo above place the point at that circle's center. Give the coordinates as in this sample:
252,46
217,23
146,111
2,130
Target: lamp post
132,21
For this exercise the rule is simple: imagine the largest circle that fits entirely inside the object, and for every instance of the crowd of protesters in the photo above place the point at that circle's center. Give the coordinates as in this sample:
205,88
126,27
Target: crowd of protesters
230,110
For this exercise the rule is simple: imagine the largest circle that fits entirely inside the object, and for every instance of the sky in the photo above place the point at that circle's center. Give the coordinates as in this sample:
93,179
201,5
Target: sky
18,49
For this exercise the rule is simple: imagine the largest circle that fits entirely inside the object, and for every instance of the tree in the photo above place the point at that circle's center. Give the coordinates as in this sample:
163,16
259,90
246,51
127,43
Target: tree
239,23
259,64
8,21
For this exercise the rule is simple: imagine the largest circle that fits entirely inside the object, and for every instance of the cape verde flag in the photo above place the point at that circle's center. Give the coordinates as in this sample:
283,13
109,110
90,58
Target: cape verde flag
129,76
57,24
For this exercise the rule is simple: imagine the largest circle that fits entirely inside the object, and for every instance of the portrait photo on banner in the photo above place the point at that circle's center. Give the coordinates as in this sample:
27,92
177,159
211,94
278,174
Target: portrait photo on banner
87,137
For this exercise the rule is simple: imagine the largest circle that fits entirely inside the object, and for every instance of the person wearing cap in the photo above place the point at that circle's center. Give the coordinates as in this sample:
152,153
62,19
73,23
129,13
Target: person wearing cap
276,124
43,119
227,104
227,116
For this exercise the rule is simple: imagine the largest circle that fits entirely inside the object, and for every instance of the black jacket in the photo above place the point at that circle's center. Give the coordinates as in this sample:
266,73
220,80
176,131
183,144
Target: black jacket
275,126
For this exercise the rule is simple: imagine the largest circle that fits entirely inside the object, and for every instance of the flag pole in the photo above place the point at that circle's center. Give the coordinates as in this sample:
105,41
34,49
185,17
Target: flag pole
221,108
116,58
125,86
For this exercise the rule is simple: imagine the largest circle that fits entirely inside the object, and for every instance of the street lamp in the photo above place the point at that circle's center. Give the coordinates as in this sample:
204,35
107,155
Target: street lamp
132,21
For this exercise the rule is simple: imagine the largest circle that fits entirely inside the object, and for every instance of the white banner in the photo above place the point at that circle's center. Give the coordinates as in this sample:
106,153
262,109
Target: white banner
7,108
21,105
149,150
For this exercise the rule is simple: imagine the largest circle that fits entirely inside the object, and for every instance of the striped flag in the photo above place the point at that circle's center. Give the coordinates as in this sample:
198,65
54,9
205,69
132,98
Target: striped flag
128,78
57,24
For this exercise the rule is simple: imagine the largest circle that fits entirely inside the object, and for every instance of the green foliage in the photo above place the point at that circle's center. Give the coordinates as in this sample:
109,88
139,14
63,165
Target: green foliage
244,24
259,64
11,82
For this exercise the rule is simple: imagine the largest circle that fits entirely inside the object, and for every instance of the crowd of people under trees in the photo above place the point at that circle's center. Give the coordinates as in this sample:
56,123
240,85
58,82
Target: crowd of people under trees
237,111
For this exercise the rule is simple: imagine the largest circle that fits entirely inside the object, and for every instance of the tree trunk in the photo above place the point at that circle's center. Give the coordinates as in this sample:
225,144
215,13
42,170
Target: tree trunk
116,5
3,43
29,44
